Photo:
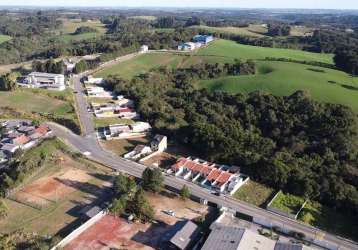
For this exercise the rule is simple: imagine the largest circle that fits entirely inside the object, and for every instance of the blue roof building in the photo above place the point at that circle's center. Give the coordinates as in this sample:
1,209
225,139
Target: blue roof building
205,39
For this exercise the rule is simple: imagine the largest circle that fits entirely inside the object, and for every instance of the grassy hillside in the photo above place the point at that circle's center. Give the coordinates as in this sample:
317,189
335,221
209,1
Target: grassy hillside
282,78
4,38
232,49
70,26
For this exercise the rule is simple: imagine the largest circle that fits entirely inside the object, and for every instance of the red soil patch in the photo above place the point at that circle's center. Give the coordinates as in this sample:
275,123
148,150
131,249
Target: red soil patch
109,232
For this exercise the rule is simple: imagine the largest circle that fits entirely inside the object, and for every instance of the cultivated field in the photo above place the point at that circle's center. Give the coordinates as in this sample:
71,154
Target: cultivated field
254,30
4,38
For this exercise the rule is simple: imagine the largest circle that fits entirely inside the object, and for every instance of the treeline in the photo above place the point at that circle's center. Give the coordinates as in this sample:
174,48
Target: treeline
49,66
278,30
291,143
312,63
84,29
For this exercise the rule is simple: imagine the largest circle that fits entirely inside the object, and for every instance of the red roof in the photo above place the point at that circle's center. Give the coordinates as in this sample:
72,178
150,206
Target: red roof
124,110
197,167
224,177
214,174
181,162
21,140
42,129
206,170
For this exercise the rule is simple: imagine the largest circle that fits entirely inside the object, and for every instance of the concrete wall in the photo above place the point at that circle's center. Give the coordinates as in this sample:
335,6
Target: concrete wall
79,230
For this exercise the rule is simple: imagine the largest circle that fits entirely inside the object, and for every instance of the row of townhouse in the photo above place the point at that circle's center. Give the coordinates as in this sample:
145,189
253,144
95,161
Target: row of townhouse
19,134
221,178
122,108
198,41
124,131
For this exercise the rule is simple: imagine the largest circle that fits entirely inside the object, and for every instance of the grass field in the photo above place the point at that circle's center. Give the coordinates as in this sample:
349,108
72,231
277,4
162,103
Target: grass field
4,38
253,30
70,26
254,193
230,49
103,122
65,184
121,147
147,18
282,78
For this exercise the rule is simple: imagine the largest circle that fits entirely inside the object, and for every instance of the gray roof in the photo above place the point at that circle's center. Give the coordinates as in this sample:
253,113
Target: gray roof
224,237
2,154
90,211
8,147
287,246
185,235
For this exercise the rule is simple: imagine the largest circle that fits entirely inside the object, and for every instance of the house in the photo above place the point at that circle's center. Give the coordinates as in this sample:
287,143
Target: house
186,236
187,46
43,130
140,127
144,49
138,151
159,143
27,130
45,80
203,39
3,157
9,149
93,80
114,131
98,92
69,66
209,175
126,113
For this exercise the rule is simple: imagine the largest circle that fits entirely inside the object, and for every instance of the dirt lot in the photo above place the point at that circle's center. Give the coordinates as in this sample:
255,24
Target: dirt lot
121,147
50,202
183,209
116,233
162,160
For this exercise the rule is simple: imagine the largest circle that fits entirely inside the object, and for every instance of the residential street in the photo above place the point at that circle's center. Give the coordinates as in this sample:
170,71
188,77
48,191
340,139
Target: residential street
89,143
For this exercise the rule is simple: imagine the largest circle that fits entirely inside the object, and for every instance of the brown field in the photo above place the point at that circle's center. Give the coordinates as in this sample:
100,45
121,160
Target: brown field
121,147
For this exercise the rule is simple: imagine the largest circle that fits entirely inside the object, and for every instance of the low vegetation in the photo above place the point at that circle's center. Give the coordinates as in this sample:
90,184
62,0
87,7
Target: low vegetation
255,193
4,38
287,203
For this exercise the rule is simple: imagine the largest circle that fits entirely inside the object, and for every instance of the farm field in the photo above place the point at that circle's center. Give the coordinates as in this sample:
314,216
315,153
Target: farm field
253,30
49,202
231,49
4,38
254,193
283,78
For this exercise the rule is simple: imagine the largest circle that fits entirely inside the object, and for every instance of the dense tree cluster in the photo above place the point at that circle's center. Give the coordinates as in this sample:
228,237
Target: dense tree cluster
278,30
8,81
347,60
49,66
291,143
84,29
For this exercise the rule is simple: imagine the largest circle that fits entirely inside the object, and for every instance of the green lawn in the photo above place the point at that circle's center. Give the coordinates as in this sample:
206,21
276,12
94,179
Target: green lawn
70,25
254,193
287,203
79,37
230,49
282,78
4,38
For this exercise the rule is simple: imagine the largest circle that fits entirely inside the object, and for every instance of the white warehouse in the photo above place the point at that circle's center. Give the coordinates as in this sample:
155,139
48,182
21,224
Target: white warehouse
45,81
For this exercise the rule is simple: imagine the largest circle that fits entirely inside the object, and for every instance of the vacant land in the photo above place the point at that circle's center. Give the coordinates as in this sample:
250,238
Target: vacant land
103,122
70,26
254,30
49,201
116,233
120,147
30,101
4,38
148,18
254,193
162,160
287,203
230,49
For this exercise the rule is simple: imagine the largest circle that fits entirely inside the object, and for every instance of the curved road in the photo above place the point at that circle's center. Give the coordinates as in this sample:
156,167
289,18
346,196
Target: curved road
89,143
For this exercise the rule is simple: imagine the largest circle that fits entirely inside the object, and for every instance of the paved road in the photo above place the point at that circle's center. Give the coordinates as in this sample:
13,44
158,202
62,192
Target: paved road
89,143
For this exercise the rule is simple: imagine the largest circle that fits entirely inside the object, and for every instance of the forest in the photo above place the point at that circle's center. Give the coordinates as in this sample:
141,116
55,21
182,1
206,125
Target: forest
291,143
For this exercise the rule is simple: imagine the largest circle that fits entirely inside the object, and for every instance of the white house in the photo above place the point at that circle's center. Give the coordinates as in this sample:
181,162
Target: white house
140,127
69,65
159,143
139,151
94,80
98,92
45,80
144,49
189,46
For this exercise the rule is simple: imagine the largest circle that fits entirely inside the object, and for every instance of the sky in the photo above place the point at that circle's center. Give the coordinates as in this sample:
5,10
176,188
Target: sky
307,4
